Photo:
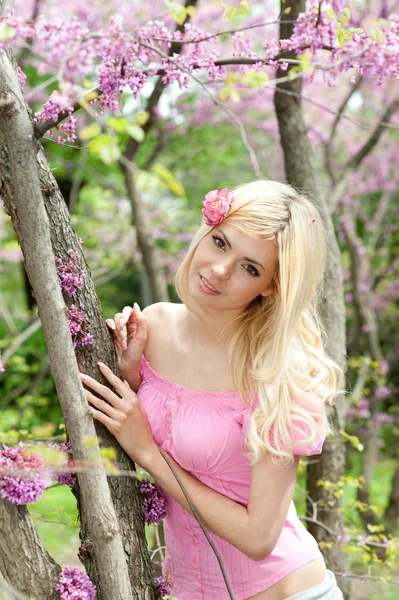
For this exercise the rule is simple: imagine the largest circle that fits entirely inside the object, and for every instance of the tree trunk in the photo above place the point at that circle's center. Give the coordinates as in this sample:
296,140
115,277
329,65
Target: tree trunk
145,239
22,555
20,155
300,173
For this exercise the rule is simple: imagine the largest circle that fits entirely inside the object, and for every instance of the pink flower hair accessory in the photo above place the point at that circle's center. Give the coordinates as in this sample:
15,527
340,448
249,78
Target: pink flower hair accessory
216,206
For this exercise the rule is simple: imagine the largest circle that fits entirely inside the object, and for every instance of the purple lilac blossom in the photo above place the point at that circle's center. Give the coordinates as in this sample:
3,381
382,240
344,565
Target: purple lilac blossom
154,505
70,276
79,327
68,478
19,489
382,392
163,586
73,584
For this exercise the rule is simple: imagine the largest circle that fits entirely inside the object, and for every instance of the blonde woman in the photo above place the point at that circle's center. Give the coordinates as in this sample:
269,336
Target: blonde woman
231,387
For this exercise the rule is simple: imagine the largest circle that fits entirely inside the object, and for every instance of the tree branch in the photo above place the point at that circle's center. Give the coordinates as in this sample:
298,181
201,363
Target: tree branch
328,145
353,163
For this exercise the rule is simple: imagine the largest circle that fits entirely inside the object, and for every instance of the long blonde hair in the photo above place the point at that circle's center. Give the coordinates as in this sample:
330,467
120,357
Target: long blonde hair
276,346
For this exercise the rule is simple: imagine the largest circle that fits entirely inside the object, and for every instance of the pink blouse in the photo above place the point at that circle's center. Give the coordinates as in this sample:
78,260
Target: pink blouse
203,432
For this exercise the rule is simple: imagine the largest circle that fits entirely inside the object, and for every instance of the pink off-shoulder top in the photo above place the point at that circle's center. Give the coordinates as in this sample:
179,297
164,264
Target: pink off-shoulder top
204,432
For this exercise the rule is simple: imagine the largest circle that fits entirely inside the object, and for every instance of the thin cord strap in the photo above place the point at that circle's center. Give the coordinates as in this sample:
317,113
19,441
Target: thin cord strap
195,514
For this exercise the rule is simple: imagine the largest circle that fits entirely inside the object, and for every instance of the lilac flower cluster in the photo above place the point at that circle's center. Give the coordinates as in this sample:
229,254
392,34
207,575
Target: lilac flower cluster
51,109
73,584
79,326
163,586
154,505
68,478
126,57
21,489
70,276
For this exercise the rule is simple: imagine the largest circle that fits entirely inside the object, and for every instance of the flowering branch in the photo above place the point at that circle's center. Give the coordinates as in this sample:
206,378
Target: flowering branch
354,162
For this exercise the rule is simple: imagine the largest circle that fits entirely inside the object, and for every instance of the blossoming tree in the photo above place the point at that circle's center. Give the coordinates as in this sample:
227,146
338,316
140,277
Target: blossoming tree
129,52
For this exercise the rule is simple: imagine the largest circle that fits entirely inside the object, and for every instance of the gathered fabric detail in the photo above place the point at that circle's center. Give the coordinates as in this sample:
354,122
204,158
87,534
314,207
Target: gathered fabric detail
204,432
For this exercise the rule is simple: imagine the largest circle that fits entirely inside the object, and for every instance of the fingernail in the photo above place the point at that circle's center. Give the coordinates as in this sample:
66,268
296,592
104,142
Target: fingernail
100,364
82,376
122,322
136,305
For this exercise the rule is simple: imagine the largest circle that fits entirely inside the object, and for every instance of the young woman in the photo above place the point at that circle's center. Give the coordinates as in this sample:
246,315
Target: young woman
231,386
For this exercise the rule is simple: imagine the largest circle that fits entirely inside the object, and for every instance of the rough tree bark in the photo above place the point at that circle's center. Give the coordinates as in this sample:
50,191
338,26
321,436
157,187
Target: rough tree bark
24,176
301,174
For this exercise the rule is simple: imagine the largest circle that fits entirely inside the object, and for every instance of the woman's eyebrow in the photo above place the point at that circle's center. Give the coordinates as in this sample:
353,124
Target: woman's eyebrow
251,260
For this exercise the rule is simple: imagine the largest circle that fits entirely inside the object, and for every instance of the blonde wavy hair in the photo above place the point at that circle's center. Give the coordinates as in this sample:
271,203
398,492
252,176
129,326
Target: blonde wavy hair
276,346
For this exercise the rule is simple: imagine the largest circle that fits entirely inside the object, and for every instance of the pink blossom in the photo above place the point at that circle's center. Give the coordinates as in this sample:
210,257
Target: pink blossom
216,205
73,584
382,392
21,489
79,326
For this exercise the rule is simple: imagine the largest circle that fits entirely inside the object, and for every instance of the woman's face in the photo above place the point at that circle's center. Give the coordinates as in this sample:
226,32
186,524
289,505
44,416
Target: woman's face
237,266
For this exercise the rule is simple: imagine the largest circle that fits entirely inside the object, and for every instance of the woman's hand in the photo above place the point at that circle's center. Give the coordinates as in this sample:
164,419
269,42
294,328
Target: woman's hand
129,330
123,415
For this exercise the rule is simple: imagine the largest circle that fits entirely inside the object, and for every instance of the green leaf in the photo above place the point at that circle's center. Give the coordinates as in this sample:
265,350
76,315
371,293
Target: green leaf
6,32
135,131
347,12
143,117
119,124
90,131
106,148
168,177
254,79
177,11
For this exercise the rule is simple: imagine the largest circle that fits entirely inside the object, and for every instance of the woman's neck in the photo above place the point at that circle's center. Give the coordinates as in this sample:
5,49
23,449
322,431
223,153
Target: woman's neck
208,328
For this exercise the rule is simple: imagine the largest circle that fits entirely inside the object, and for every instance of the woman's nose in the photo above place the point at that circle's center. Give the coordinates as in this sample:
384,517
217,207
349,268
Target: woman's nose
221,271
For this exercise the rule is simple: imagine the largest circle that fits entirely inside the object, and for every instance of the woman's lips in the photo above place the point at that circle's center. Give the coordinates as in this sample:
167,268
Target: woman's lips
204,287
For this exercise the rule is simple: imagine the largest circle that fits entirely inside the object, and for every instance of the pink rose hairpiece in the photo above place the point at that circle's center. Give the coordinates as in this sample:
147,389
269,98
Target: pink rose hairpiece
216,206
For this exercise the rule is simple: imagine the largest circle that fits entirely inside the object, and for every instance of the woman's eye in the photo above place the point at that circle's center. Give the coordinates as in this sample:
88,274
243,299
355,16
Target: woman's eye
217,240
252,271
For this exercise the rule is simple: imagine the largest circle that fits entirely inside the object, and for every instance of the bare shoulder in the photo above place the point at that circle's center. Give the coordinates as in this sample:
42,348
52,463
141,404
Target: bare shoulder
161,318
159,310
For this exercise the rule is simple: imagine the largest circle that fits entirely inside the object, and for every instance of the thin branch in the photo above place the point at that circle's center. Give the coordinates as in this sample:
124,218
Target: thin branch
339,113
372,141
231,31
367,577
6,314
21,339
320,524
244,137
199,521
353,163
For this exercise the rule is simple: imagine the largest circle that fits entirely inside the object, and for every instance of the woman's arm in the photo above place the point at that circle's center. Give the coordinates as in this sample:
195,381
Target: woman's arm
253,530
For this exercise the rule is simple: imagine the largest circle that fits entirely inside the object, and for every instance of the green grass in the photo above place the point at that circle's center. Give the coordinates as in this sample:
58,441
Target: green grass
55,515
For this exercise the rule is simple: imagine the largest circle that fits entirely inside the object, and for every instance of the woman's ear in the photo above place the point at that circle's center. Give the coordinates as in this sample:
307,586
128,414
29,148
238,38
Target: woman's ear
268,291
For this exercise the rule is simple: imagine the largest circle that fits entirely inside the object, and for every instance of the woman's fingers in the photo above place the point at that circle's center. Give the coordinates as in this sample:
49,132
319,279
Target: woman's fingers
103,390
111,324
104,407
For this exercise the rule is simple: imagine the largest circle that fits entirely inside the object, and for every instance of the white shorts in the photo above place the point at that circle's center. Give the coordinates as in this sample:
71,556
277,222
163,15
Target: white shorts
327,590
